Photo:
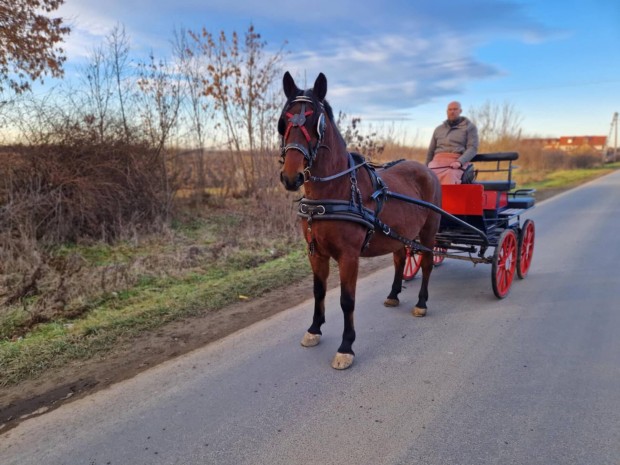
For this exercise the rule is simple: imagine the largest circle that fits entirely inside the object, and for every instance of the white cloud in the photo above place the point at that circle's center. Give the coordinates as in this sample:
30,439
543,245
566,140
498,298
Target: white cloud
387,73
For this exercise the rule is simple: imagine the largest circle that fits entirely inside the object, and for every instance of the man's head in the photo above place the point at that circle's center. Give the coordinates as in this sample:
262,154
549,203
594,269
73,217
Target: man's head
453,111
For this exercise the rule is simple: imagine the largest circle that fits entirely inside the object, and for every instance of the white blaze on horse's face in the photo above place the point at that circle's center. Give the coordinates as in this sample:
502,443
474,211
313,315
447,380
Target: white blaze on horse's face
302,126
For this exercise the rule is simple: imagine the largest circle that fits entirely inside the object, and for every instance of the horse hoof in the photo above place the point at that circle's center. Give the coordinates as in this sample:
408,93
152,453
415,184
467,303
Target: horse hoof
419,311
391,302
310,340
342,361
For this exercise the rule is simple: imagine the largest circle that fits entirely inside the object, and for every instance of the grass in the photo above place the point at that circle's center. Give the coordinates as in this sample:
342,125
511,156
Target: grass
147,306
568,178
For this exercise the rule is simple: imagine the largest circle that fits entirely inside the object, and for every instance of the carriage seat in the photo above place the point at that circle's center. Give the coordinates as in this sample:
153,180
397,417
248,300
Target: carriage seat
496,156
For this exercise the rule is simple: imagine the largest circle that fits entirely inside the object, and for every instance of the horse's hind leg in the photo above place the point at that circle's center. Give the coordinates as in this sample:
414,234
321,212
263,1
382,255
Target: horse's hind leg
320,269
427,238
400,256
427,268
348,266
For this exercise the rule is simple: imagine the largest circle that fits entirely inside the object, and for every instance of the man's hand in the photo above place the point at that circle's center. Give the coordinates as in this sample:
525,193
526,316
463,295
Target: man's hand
455,165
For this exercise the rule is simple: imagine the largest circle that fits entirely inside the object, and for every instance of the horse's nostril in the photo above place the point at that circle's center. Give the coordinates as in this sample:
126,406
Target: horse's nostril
291,183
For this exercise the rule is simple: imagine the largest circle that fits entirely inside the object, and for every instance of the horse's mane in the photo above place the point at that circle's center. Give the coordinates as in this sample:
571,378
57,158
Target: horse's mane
328,110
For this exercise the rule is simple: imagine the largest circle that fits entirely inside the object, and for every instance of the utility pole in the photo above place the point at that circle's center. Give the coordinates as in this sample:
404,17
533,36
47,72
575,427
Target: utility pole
612,129
615,124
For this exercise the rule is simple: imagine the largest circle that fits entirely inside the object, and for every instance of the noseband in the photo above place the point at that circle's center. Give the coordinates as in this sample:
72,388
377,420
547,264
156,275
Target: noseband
298,121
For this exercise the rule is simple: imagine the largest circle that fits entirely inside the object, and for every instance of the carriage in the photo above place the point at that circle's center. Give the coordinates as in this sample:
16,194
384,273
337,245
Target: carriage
481,223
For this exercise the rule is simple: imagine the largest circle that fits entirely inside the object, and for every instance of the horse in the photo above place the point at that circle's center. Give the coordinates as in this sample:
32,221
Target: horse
347,211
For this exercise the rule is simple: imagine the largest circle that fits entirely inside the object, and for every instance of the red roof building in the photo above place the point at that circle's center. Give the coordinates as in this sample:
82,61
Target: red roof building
567,143
571,143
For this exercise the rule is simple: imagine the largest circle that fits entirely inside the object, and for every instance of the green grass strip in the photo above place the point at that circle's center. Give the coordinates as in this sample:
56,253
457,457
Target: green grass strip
55,344
570,178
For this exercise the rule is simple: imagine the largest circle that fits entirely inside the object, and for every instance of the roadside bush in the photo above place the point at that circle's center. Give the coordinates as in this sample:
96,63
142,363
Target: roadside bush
79,189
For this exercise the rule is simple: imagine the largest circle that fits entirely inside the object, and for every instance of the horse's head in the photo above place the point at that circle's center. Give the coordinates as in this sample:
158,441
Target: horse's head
302,126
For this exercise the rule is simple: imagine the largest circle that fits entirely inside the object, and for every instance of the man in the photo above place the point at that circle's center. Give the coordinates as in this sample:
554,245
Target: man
453,145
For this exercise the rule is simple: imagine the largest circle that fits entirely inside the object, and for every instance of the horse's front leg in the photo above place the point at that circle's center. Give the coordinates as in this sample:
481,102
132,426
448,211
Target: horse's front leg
348,267
400,257
320,270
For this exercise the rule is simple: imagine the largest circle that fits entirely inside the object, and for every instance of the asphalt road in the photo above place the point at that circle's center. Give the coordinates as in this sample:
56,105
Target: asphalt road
532,379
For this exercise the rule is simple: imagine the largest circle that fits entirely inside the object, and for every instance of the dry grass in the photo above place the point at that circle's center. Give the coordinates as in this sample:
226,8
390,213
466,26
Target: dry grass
41,283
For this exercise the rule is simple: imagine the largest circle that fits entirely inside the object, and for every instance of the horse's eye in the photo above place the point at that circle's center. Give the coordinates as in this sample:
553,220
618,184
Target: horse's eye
281,126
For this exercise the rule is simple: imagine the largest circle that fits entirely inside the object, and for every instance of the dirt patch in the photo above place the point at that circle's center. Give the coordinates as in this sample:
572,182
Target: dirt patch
57,386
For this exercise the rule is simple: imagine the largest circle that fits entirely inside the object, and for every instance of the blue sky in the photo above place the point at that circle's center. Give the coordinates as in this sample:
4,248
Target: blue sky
556,62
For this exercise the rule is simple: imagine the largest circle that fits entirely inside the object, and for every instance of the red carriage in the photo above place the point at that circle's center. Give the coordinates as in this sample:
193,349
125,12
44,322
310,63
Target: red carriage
485,217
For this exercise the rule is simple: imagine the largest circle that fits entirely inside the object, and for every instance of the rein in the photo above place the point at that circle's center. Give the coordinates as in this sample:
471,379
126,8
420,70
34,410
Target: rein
444,167
334,176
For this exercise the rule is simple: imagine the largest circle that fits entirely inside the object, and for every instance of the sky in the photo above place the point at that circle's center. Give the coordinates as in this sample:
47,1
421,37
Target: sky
400,62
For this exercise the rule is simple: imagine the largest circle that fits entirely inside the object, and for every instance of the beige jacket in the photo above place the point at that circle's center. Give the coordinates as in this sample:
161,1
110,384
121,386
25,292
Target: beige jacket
461,138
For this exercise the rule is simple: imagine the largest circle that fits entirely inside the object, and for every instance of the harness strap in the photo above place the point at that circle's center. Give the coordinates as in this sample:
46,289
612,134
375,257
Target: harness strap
337,175
314,210
413,244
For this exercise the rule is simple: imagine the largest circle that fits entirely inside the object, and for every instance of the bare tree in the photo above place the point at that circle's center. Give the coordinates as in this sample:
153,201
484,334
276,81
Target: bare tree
29,42
104,94
200,106
118,47
499,126
98,92
239,79
159,99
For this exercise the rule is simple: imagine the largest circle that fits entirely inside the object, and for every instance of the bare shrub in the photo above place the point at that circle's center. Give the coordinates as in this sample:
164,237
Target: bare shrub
393,151
536,158
357,140
499,126
75,189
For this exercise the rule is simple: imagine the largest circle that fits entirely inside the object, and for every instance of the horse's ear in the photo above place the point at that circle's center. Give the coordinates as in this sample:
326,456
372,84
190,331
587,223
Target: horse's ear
320,87
290,88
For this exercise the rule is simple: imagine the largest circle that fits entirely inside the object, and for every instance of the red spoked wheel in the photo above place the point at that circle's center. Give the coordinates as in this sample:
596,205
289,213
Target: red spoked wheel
414,260
438,259
504,263
525,250
412,265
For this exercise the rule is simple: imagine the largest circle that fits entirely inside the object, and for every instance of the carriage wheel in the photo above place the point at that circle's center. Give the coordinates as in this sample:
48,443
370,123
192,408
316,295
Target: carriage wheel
438,259
414,261
412,265
504,263
525,248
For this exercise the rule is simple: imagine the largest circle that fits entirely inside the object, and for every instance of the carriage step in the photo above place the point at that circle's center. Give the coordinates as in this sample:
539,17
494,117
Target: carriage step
511,212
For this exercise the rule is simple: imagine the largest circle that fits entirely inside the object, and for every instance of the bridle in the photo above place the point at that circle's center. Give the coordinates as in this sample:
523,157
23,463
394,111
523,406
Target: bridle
298,120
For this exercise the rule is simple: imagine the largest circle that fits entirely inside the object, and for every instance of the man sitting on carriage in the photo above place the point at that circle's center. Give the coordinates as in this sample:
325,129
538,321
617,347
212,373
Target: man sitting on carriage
453,145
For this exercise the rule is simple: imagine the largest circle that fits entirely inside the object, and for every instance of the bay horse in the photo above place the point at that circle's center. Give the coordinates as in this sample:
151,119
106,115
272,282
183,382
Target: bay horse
347,210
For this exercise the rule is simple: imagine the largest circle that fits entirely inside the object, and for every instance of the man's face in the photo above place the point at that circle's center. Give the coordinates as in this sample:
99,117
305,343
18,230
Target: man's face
453,111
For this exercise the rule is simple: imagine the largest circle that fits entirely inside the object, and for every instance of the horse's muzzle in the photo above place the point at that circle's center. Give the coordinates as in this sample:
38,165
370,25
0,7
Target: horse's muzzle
292,184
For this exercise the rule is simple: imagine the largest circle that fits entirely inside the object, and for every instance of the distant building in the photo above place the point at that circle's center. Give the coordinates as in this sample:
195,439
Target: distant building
545,143
568,144
572,143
